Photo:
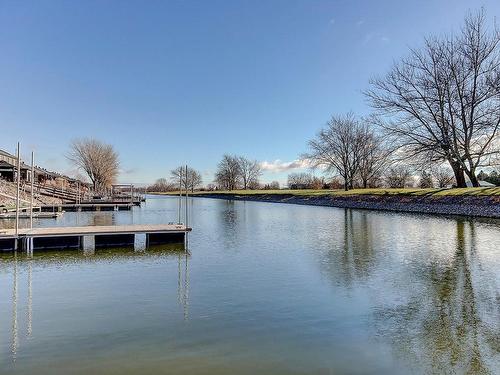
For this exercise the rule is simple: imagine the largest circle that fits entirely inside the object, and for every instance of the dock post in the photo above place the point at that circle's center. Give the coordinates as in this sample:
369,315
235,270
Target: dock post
140,241
87,243
27,245
17,190
32,184
180,197
186,198
186,218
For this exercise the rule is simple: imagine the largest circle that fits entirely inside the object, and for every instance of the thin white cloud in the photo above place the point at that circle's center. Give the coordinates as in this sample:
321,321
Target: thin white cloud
360,22
128,171
375,38
277,166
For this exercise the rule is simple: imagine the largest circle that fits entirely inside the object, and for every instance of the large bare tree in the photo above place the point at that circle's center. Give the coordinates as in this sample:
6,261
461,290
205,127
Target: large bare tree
228,175
190,181
374,156
338,147
250,171
442,102
97,159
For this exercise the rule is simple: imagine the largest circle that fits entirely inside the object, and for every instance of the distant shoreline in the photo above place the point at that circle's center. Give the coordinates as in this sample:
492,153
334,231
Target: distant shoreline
486,206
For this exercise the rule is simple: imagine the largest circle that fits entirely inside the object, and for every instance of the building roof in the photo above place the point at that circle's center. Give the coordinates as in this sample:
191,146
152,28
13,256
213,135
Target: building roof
5,164
38,170
5,153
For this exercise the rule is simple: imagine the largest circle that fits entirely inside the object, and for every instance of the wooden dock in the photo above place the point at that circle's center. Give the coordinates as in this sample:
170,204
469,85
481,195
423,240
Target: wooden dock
90,237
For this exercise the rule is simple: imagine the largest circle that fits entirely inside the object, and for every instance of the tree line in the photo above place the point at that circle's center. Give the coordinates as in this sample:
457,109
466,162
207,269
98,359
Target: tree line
180,179
237,172
233,172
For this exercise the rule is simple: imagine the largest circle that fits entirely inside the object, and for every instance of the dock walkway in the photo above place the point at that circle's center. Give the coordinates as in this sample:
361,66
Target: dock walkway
90,236
79,207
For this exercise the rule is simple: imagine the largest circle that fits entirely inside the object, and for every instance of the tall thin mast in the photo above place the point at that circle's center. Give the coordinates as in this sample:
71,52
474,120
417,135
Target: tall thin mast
180,197
32,185
186,201
18,187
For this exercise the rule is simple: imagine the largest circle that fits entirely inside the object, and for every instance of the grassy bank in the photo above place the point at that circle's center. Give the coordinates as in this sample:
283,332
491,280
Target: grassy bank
474,202
491,191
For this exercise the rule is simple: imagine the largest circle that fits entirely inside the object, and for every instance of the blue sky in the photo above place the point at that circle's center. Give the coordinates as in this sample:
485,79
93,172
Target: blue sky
174,82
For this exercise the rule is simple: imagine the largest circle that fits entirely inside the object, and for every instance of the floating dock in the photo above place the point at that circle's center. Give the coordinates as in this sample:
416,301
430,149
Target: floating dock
84,207
36,215
90,237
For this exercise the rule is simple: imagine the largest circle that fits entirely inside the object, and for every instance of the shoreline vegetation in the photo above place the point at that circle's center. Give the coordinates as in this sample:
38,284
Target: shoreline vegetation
473,202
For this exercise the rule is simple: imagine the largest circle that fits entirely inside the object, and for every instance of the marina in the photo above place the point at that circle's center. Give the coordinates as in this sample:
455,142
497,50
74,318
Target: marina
246,188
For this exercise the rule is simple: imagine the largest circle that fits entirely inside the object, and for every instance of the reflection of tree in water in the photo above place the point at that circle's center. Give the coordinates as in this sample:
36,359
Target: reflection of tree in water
443,327
228,223
228,214
352,252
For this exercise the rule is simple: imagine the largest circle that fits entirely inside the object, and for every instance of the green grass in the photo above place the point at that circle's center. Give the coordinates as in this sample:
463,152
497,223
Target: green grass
491,191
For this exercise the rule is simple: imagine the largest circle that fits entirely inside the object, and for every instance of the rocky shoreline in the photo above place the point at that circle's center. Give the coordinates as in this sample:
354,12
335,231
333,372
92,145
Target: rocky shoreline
463,205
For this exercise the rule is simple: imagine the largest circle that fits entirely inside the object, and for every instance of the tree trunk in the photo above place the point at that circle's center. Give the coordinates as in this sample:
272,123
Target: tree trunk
473,178
459,175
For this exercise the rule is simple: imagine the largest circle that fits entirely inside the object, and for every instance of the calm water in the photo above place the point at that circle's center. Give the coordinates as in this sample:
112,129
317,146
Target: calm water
265,289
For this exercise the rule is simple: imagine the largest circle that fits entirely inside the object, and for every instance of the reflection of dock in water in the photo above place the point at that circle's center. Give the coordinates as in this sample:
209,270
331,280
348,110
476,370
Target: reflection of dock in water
14,346
30,300
183,283
16,260
15,339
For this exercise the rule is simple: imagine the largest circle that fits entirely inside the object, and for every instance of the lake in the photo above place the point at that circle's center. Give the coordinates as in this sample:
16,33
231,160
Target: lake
264,289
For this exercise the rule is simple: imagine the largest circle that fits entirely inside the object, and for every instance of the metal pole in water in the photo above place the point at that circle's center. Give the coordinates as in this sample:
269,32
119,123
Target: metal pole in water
186,218
17,191
180,197
186,200
32,185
